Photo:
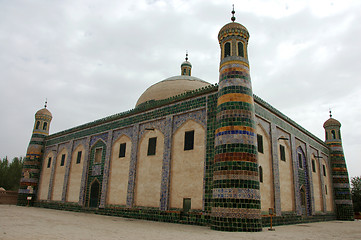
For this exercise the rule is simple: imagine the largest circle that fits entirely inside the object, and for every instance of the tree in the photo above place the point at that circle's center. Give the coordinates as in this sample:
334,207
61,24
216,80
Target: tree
356,193
10,174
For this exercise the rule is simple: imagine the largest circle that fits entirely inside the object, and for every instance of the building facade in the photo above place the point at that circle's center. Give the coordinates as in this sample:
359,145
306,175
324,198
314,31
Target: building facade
192,152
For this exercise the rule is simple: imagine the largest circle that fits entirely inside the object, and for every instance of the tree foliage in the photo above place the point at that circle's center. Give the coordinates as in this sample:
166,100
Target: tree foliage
10,173
356,193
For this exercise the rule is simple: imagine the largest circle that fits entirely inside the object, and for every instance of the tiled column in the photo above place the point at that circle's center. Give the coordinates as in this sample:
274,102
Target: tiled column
296,183
133,166
67,170
322,182
310,180
276,170
164,193
85,172
106,170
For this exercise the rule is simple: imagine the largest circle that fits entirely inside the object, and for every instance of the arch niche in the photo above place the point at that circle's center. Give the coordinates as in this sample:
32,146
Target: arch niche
187,166
265,162
119,171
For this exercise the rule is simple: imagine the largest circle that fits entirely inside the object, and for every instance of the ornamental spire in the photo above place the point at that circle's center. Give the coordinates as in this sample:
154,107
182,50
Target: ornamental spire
233,18
46,103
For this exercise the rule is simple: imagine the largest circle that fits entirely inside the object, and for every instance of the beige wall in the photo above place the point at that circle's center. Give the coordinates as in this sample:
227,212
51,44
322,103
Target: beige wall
119,173
149,171
265,161
187,167
45,177
286,178
75,175
59,176
327,182
317,192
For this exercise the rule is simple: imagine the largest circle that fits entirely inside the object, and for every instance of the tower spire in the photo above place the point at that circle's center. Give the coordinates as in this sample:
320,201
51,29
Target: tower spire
46,103
233,18
330,113
186,55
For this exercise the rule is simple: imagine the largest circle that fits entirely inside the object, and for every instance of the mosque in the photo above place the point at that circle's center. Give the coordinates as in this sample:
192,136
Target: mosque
195,153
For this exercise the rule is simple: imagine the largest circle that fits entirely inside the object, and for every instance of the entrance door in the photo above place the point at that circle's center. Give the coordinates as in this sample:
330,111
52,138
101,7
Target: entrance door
94,194
303,200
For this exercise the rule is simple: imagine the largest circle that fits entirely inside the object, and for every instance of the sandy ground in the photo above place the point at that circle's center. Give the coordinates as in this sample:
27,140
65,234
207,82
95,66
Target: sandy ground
38,223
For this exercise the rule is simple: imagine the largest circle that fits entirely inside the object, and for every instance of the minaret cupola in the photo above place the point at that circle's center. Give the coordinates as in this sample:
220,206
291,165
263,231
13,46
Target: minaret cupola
332,129
42,121
233,39
186,67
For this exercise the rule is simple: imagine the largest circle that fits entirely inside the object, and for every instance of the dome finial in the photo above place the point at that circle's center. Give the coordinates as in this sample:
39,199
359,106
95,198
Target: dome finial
233,18
46,102
330,113
186,55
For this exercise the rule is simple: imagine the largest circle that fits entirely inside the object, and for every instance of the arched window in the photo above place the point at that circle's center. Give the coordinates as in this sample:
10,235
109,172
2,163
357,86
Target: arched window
260,172
326,135
45,125
37,125
227,49
333,134
240,49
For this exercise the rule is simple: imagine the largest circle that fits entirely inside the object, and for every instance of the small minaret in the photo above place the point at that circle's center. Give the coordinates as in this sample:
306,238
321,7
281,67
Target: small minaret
186,67
32,163
236,204
341,184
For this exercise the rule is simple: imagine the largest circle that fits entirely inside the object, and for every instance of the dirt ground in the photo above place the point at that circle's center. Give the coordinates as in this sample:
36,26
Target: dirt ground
38,223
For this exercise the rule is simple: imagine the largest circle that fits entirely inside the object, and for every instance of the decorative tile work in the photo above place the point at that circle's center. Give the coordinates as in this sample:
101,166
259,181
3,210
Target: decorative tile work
97,167
96,170
128,131
166,165
132,166
310,178
103,136
303,178
198,116
104,190
271,114
127,118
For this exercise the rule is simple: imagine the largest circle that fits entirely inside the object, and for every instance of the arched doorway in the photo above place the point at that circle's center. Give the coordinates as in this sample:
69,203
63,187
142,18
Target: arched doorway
303,200
94,194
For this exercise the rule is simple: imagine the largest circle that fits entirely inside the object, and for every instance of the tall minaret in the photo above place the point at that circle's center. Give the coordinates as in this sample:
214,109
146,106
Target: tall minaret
32,162
236,195
341,184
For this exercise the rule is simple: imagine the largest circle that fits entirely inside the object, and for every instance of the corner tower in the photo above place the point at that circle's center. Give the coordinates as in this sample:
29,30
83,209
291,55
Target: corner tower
32,163
341,184
236,195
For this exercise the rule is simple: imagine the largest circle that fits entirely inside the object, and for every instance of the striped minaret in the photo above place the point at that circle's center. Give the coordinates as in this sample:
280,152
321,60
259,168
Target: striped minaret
341,184
32,163
236,195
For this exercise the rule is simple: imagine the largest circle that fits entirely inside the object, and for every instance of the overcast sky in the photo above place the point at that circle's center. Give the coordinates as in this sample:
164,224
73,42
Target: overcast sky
93,58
